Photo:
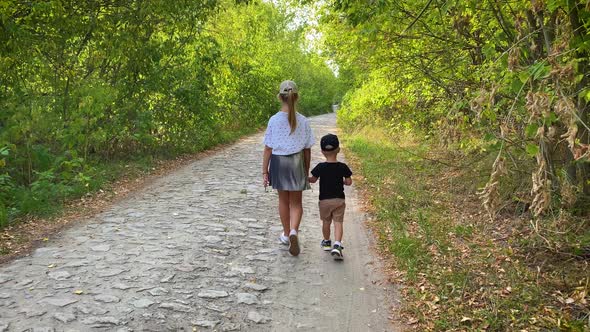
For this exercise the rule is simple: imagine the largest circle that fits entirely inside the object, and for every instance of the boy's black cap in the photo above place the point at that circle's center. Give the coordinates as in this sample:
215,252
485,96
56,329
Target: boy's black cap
329,142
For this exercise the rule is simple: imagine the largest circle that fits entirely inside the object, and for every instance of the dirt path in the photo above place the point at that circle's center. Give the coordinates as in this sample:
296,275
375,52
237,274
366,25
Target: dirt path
198,250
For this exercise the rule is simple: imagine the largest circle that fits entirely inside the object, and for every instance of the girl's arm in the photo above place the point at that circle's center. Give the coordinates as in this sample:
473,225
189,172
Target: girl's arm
347,181
265,160
307,159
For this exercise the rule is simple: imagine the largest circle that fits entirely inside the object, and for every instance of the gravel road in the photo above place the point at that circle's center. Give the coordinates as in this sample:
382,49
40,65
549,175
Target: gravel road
198,250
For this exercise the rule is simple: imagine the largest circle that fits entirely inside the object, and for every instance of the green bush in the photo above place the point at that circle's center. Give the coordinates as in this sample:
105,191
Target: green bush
171,78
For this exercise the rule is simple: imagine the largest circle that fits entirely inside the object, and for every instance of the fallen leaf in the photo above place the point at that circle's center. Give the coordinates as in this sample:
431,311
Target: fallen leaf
78,292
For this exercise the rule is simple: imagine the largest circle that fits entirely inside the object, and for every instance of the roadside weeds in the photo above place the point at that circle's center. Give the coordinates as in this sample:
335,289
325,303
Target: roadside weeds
460,270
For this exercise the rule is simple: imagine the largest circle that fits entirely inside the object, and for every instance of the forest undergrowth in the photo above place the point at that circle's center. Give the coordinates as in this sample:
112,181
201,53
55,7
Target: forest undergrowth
461,270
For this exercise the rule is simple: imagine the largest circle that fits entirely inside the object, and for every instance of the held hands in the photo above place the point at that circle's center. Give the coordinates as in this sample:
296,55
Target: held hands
265,181
312,179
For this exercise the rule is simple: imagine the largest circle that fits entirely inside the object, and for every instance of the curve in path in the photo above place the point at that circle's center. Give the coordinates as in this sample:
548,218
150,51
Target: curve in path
198,250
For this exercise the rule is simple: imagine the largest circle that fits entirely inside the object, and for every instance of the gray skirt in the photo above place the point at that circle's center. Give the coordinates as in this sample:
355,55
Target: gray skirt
288,172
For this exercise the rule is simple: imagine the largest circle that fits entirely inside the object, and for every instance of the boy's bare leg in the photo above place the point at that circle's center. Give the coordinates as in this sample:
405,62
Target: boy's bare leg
296,209
326,229
284,212
338,231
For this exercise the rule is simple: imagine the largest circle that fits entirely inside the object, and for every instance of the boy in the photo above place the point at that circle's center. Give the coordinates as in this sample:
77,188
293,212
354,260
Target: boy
333,176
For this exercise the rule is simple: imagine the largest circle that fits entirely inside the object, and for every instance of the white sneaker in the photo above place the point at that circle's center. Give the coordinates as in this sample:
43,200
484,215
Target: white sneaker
284,239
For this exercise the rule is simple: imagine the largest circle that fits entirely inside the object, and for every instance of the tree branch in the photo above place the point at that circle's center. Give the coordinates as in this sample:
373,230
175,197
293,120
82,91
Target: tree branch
417,17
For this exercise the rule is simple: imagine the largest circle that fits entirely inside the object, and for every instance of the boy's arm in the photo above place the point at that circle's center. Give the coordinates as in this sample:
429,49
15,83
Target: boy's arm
315,174
347,175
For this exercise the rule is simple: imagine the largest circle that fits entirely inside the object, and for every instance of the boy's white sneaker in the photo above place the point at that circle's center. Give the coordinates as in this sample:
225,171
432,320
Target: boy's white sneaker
337,252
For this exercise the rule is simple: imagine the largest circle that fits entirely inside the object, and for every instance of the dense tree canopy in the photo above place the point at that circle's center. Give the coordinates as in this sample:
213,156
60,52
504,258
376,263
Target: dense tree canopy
85,82
509,77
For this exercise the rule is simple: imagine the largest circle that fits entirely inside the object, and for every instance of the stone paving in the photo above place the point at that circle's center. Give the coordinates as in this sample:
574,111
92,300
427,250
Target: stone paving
195,250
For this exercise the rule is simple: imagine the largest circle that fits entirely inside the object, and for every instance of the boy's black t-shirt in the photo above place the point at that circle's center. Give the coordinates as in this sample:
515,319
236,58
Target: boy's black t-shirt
331,177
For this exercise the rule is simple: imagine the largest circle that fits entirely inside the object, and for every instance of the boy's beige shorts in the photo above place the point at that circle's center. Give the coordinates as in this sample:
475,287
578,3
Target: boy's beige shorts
332,209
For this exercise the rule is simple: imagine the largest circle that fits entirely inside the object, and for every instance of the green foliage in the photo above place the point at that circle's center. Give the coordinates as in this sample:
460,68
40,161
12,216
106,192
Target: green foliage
464,71
84,84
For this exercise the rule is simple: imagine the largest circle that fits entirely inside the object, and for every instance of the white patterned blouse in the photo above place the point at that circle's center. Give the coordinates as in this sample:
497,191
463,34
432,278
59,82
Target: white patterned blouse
278,134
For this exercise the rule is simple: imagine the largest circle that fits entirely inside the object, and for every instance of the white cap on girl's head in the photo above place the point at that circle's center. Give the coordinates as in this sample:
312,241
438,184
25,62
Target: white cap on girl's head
287,86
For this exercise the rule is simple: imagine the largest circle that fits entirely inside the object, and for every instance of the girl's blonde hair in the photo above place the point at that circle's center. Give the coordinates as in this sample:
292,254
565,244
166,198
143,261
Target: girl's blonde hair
290,98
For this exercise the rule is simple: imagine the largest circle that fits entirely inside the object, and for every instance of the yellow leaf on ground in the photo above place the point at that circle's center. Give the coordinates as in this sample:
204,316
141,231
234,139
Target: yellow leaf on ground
78,292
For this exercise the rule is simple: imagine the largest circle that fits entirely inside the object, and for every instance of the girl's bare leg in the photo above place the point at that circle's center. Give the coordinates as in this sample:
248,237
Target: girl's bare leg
296,209
284,211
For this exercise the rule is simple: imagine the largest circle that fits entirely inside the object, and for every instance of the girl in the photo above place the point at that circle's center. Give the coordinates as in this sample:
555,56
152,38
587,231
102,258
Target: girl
287,146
